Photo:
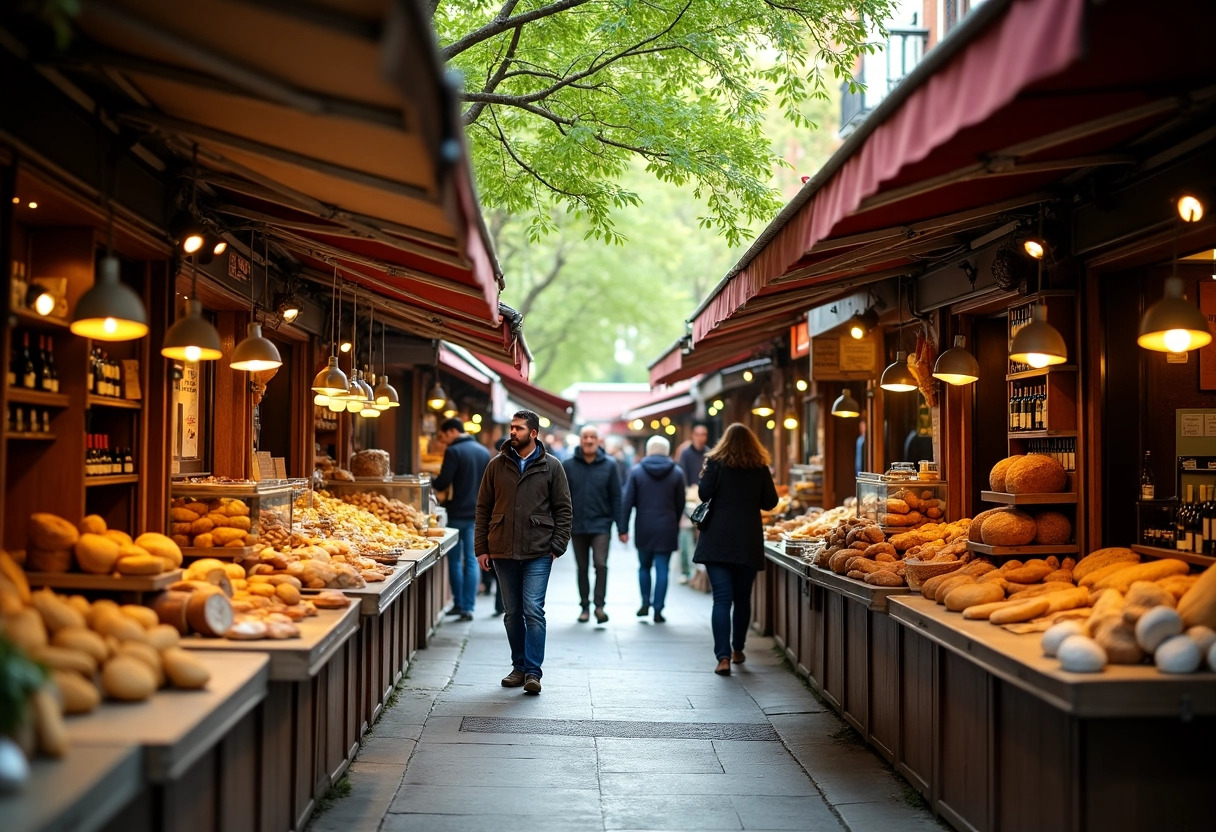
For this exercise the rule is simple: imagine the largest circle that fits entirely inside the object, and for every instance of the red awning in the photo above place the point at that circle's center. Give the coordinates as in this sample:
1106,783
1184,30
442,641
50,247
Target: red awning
1024,95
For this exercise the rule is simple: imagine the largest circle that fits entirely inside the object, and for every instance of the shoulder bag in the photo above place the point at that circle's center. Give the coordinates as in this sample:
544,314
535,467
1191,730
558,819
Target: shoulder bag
700,515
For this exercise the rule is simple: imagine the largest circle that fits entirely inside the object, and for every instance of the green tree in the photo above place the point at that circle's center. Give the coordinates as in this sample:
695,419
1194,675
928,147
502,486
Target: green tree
563,96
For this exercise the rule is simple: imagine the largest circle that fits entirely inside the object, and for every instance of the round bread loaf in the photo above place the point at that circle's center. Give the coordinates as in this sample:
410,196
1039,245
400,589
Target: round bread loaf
51,532
1053,528
1035,474
975,530
96,553
370,463
996,477
1009,528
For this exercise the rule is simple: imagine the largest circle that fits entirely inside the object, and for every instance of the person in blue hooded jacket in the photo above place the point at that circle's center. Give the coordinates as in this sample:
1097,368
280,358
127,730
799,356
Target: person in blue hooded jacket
655,487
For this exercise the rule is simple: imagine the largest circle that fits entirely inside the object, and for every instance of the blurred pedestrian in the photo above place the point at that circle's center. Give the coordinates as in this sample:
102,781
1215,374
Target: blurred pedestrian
523,525
691,460
655,487
737,482
464,461
595,491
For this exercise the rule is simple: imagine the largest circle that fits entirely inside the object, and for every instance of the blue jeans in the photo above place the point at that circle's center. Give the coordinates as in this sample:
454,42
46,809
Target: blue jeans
524,583
732,585
660,561
463,572
688,547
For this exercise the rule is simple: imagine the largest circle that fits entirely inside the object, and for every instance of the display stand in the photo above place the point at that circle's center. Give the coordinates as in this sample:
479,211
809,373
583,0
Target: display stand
309,722
80,793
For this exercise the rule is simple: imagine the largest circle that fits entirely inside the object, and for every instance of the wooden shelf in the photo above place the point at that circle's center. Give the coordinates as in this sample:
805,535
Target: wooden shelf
116,583
19,395
30,437
1185,557
1025,374
108,401
114,479
1041,434
1060,498
27,319
1032,550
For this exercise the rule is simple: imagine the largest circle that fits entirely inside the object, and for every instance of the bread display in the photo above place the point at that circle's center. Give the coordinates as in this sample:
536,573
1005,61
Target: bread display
1052,528
996,477
1035,474
370,463
1009,528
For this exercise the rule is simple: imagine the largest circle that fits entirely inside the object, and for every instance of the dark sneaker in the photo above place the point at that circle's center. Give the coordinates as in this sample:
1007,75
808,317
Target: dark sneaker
454,610
643,611
658,617
600,615
531,684
584,617
514,679
465,616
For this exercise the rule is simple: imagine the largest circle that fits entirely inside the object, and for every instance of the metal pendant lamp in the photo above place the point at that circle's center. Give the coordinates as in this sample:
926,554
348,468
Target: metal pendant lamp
331,381
385,393
256,352
897,378
763,405
110,310
1039,344
846,406
192,337
957,366
1173,324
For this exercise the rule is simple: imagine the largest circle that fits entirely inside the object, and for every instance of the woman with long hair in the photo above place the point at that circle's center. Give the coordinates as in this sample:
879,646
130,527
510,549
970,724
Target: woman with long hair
737,481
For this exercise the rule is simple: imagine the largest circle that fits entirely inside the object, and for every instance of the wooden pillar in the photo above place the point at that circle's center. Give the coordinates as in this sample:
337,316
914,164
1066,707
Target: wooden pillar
232,416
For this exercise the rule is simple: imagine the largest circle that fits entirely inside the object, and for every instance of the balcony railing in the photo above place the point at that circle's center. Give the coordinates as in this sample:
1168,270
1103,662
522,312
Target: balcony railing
905,48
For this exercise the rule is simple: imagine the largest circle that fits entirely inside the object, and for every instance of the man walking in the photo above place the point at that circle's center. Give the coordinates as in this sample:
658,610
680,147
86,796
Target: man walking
464,461
523,524
655,487
692,460
595,488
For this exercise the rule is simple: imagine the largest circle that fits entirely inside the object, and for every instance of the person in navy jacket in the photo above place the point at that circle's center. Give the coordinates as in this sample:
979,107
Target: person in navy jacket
655,487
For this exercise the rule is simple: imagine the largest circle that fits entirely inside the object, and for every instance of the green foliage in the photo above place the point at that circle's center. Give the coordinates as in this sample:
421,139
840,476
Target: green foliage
563,96
19,678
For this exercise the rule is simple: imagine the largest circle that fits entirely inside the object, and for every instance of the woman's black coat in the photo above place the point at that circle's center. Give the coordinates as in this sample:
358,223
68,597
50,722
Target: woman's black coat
735,532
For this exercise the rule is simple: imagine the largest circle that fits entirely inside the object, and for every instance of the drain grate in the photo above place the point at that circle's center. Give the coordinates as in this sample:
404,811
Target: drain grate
625,729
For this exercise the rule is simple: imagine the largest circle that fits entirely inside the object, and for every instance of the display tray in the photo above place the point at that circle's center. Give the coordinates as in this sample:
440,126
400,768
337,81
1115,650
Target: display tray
80,793
113,583
873,597
447,541
1033,550
374,599
294,659
176,727
1119,691
1058,498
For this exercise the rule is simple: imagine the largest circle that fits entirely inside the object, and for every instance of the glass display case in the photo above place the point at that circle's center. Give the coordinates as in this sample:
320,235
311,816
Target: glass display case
222,518
899,500
411,489
806,486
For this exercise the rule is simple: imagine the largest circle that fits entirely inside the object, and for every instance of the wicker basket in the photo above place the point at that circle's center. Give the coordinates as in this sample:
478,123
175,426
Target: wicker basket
917,573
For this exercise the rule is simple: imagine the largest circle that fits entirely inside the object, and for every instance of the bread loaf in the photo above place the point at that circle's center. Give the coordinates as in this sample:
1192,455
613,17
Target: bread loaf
970,595
49,560
51,532
128,679
1009,528
996,477
184,670
1100,558
78,694
96,553
93,524
1152,571
1052,528
1035,474
1198,605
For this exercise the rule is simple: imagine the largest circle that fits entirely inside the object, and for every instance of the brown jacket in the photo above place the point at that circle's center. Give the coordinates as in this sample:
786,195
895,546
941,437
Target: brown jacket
523,516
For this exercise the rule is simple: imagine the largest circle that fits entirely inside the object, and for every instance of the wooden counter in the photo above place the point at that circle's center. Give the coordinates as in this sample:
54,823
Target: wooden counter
80,793
375,598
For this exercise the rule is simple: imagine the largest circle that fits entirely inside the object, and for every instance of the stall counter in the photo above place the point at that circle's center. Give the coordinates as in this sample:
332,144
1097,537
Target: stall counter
80,793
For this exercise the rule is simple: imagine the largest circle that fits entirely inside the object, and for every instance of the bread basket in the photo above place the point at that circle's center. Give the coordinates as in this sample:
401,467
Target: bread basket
916,572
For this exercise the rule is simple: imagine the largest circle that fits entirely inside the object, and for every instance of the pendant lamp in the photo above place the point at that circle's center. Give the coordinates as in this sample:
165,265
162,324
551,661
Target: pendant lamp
846,406
790,420
897,378
110,310
1038,344
386,394
192,337
763,405
331,381
1172,324
369,411
354,394
957,366
256,353
437,397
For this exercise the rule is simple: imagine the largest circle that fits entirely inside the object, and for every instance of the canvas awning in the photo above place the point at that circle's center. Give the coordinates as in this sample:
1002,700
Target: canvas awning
329,125
1025,97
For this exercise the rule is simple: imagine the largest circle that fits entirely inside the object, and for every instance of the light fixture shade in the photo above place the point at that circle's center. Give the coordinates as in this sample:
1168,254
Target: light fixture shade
369,413
354,394
897,377
320,400
256,352
437,398
957,366
846,406
1039,344
331,381
386,395
192,338
790,421
1173,324
110,310
862,323
763,405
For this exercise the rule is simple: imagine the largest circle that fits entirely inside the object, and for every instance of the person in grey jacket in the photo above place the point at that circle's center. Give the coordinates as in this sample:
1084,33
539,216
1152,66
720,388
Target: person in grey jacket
522,526
655,487
595,489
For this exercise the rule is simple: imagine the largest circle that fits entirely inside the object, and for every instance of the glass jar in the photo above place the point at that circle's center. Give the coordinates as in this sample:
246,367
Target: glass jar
928,470
901,471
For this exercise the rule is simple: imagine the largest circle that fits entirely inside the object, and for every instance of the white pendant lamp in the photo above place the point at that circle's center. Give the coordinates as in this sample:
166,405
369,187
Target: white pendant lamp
763,405
331,381
192,338
897,378
110,310
385,394
256,353
957,366
1038,344
846,406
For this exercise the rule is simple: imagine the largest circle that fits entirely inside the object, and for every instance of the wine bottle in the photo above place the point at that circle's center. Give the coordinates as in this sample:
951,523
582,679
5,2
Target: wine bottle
52,370
1182,523
1148,490
29,375
128,462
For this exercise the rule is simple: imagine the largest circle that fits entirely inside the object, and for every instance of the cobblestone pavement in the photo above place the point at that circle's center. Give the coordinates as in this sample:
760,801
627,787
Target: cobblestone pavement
632,731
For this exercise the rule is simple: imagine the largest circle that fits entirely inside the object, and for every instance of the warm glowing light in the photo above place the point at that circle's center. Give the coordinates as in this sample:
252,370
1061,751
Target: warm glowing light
790,423
290,314
336,405
193,353
719,404
670,430
1038,360
369,413
353,405
110,325
192,243
476,418
449,413
1177,340
770,424
1034,248
44,304
472,427
637,424
801,385
665,421
654,424
345,346
35,205
220,247
747,375
857,331
320,400
713,411
1189,208
544,422
16,200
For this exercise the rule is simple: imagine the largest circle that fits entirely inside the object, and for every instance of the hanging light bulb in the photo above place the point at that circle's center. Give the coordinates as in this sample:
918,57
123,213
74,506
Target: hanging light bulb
846,406
345,347
957,366
763,405
801,385
718,404
1038,344
336,405
449,411
192,338
897,377
1172,324
790,421
39,299
1190,208
110,310
320,400
256,352
862,323
386,394
748,375
331,381
437,398
354,394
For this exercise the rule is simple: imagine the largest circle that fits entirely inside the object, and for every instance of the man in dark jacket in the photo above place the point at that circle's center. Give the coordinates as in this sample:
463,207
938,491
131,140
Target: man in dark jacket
523,524
464,461
656,488
595,489
692,460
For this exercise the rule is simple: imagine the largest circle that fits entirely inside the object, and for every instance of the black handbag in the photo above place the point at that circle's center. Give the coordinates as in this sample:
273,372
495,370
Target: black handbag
700,515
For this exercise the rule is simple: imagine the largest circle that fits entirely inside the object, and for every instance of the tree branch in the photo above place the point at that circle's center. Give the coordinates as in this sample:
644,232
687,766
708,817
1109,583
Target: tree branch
503,22
471,115
529,170
559,262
